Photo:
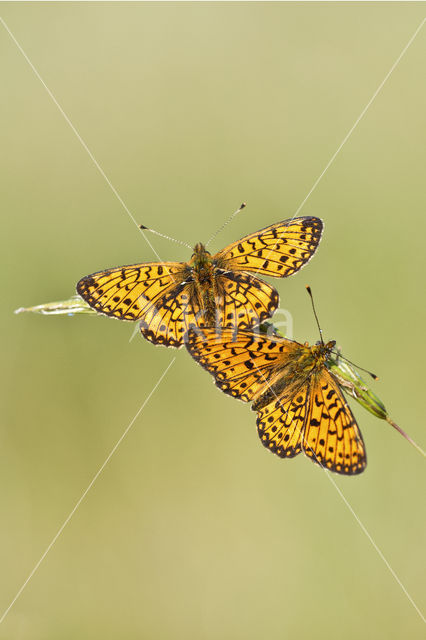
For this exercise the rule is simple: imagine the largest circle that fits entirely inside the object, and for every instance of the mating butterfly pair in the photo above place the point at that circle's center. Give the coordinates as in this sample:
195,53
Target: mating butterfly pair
299,402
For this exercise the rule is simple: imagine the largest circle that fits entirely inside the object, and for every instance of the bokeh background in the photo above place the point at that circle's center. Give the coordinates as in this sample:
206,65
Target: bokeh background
194,530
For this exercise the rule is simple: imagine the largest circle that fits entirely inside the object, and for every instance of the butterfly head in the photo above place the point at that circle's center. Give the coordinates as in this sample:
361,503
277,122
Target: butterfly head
320,352
329,346
200,256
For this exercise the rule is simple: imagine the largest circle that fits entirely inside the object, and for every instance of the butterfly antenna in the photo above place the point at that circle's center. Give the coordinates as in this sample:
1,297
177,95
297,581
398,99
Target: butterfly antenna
162,235
241,207
373,375
308,289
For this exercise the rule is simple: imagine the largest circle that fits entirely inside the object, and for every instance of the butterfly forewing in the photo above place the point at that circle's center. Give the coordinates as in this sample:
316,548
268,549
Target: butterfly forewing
241,363
331,436
278,250
128,292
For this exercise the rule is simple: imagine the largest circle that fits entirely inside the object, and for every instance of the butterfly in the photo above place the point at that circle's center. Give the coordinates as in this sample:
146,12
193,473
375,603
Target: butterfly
299,402
167,297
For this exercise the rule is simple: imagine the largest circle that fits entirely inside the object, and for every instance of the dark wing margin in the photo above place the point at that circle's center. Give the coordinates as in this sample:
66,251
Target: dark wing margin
279,250
280,423
332,437
128,292
243,300
169,318
241,362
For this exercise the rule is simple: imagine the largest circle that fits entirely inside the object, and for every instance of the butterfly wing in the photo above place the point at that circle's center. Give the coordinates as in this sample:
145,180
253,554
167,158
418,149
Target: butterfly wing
313,416
128,292
332,437
243,300
280,423
242,364
169,318
278,250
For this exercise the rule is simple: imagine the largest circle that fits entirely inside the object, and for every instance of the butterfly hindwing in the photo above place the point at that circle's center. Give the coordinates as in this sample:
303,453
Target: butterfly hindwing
280,423
128,292
244,300
168,320
278,250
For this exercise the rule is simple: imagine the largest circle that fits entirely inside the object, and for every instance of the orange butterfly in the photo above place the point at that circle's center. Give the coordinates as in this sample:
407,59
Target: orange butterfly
298,400
167,297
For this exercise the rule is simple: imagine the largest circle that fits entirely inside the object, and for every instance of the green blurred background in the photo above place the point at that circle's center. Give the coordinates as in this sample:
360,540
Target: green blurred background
194,530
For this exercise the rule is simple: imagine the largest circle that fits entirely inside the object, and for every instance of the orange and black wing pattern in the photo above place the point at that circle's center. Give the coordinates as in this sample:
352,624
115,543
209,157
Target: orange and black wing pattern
279,250
331,435
167,297
167,321
159,295
243,300
314,417
242,362
128,292
280,423
300,405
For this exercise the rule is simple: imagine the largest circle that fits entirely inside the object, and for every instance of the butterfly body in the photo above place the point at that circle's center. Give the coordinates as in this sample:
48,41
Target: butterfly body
167,297
299,403
204,279
306,361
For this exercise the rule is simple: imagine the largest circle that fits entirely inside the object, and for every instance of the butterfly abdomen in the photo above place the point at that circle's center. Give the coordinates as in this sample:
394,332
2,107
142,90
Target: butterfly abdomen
204,287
